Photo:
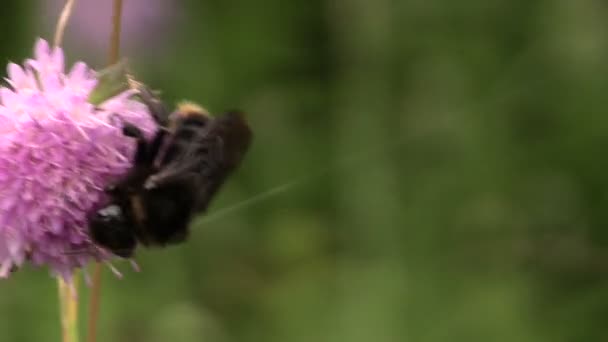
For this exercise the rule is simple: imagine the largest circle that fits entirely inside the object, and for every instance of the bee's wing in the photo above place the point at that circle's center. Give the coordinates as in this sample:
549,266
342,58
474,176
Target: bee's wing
201,173
186,166
208,160
175,172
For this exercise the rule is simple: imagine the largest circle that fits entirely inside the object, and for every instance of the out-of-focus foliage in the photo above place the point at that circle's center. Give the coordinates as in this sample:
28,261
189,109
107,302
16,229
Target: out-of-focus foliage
436,167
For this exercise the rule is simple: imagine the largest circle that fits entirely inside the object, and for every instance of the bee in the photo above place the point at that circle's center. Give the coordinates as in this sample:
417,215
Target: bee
174,176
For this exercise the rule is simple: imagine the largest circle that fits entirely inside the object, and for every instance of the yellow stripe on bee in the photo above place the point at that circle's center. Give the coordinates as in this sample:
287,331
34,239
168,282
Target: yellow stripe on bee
188,108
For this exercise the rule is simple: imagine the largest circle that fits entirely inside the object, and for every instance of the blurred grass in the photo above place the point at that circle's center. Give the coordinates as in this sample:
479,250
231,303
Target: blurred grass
449,170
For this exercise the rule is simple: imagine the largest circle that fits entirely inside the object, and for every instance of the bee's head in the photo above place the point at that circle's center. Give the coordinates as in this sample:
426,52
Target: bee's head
111,229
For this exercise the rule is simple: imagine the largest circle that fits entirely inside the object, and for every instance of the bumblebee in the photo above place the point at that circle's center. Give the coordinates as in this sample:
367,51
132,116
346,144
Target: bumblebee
174,176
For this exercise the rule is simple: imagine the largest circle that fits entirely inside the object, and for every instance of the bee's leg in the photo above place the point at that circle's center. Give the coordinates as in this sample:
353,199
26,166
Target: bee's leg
171,176
132,131
196,167
155,106
141,153
146,151
156,144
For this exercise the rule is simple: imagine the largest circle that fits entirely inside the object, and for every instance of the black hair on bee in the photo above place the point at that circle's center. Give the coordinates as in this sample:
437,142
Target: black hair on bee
174,176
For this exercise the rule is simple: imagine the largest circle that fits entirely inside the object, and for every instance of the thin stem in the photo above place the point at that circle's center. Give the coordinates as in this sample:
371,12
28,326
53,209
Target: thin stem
96,289
116,27
94,304
68,304
63,21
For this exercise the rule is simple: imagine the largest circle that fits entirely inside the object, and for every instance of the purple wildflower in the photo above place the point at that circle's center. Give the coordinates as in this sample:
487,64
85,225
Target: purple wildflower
57,153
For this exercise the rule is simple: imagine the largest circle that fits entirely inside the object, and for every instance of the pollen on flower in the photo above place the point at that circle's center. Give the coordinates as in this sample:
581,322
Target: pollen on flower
57,154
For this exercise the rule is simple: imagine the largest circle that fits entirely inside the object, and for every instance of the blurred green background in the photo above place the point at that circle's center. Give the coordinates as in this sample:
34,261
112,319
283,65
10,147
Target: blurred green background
423,170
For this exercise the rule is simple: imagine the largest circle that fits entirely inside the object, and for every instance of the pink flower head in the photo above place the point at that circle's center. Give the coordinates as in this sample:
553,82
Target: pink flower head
57,154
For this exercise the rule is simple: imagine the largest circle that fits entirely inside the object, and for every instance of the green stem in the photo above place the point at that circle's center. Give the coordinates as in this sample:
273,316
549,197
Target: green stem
116,28
68,304
94,304
63,21
96,289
